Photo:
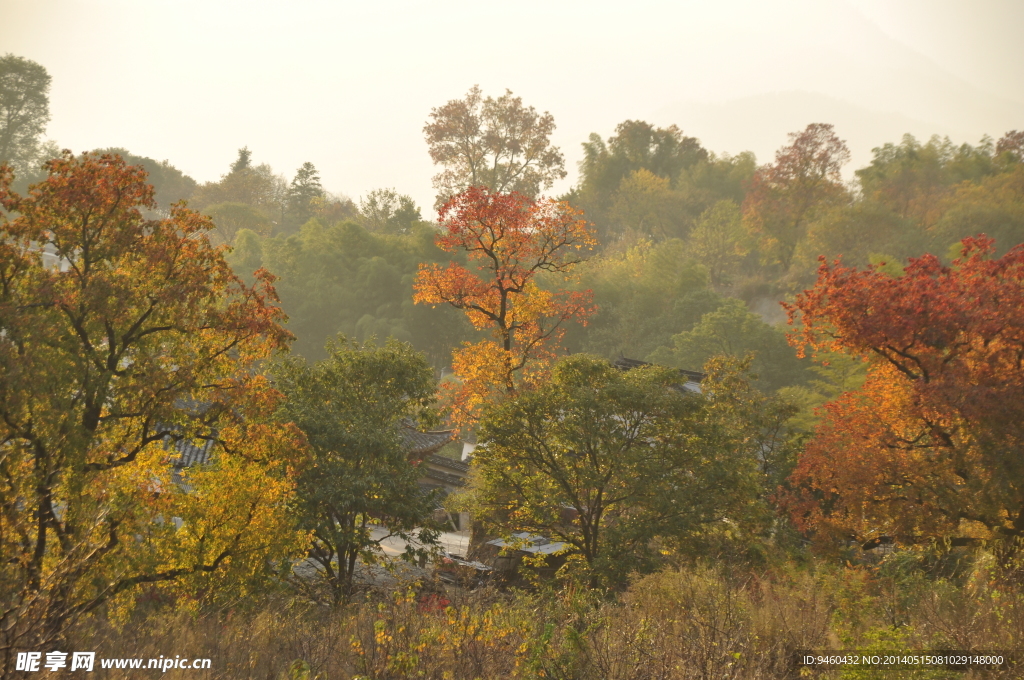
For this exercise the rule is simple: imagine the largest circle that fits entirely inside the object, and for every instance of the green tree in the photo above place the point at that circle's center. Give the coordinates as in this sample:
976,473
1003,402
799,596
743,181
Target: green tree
762,425
496,143
244,160
716,178
855,232
644,296
247,254
912,179
169,183
636,146
646,207
343,279
351,407
231,218
256,186
733,330
388,212
24,110
303,194
719,242
993,205
608,461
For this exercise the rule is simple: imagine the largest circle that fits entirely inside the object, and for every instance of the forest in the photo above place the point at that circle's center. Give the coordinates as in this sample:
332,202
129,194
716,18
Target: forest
763,408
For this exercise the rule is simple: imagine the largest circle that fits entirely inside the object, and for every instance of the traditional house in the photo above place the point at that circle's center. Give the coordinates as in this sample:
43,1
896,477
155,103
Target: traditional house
689,380
437,472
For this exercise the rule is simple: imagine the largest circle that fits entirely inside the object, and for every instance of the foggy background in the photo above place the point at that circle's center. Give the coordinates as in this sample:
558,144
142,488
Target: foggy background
349,86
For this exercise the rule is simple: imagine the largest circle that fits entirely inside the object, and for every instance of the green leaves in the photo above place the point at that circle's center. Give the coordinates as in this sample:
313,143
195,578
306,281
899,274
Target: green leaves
24,109
733,330
351,407
608,461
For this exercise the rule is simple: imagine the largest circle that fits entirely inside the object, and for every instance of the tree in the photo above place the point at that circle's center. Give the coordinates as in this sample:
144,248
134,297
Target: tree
637,151
609,461
733,330
929,447
257,187
717,178
1010,149
352,407
304,192
913,179
24,109
509,240
342,279
718,241
246,256
388,212
120,337
993,205
907,178
646,208
856,232
644,296
231,218
785,196
170,185
244,160
496,143
637,145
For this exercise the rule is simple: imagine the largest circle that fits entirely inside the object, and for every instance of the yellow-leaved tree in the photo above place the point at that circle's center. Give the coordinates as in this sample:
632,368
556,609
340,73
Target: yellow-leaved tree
124,343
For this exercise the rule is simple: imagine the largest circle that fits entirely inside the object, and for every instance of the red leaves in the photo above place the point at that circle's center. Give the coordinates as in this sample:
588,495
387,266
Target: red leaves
932,321
783,196
931,441
509,240
513,236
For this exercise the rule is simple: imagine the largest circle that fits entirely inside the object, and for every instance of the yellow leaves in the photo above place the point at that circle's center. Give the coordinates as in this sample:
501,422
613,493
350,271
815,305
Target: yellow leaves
507,239
146,337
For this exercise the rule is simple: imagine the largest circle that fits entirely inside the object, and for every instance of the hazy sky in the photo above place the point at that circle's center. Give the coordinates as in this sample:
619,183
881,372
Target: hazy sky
349,86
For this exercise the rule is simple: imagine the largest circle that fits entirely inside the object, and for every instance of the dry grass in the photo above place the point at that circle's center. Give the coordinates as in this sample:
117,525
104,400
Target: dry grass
698,622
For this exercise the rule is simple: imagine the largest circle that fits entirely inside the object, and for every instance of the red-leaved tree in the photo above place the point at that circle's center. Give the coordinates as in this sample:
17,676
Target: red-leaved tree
509,240
929,448
786,195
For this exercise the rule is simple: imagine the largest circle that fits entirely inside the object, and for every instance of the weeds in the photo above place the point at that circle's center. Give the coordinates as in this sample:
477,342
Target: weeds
699,622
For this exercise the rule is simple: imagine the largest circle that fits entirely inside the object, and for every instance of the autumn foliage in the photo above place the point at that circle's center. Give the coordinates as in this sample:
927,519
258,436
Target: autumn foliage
121,336
785,196
929,447
508,240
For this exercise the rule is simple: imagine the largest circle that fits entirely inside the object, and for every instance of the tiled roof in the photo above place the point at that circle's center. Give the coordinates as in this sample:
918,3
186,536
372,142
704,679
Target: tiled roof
419,444
457,465
188,453
691,379
442,477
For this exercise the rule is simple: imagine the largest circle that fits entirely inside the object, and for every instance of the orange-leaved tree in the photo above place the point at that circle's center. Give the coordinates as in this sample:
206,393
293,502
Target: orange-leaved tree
126,343
929,447
509,240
